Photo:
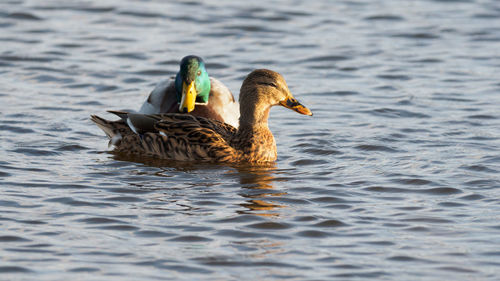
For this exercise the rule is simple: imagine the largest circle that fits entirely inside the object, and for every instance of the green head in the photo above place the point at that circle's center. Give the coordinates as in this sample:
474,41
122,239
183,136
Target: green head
191,83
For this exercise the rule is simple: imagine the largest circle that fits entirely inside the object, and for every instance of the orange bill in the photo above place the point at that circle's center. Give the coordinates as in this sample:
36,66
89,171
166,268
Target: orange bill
296,105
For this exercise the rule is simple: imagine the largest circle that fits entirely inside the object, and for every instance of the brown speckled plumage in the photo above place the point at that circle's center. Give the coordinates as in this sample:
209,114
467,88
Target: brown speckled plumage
192,138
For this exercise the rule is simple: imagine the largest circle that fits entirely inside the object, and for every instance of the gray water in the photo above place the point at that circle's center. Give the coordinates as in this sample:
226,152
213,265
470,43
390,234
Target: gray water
395,177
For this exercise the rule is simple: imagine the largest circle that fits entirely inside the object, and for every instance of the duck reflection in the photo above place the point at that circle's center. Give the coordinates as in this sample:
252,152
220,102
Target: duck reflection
257,184
155,162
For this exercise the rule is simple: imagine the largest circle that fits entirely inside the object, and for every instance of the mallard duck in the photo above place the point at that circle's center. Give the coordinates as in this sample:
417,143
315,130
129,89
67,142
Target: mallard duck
193,138
193,92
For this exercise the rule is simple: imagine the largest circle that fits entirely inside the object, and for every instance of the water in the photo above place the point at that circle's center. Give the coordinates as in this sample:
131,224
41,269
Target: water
395,177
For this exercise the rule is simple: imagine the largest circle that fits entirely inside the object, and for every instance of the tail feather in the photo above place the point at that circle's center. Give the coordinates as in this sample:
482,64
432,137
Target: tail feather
113,129
105,125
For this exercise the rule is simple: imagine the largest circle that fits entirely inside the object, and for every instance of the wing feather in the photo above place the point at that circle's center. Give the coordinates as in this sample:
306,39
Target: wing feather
172,136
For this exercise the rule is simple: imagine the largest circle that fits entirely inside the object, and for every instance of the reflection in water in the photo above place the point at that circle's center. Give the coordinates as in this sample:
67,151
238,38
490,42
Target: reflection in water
265,247
159,163
258,184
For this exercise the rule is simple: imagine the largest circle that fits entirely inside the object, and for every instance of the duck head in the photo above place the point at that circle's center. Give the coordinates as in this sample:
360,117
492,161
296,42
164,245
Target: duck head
263,89
192,83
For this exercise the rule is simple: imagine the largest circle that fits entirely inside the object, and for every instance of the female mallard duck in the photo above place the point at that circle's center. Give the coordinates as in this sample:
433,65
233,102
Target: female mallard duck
193,138
194,92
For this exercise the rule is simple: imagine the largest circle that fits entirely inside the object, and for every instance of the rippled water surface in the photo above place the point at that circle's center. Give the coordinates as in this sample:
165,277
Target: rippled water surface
395,177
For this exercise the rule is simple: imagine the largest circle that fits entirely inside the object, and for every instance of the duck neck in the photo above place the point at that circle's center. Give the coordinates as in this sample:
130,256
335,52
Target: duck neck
254,117
254,138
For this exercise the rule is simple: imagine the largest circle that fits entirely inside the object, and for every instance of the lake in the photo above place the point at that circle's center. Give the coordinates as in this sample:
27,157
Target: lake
395,177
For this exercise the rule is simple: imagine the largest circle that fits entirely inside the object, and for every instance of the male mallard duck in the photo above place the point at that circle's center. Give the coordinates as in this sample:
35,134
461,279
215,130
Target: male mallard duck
194,92
194,138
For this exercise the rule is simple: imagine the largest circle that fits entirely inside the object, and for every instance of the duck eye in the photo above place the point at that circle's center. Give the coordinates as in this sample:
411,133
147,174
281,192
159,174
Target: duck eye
199,72
270,84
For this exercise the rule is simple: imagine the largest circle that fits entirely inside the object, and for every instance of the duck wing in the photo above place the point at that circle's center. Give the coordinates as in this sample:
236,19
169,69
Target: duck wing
222,102
172,136
162,99
189,121
194,140
142,123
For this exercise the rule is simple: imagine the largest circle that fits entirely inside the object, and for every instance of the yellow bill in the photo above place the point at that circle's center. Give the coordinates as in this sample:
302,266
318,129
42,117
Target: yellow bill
296,105
188,97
